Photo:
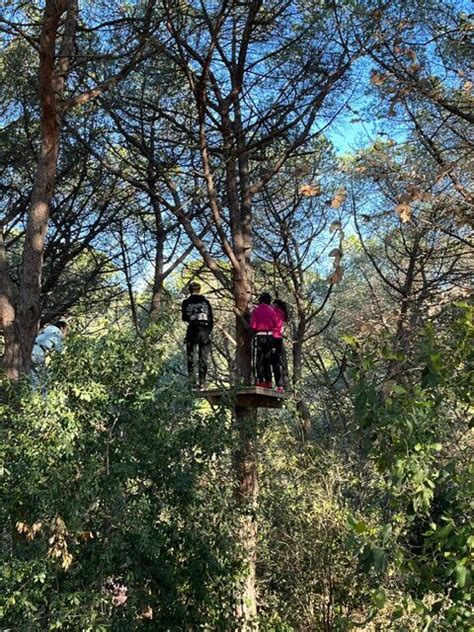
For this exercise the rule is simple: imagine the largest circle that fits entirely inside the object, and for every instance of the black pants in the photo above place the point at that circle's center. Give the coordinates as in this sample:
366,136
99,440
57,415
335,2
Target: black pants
277,360
198,339
264,346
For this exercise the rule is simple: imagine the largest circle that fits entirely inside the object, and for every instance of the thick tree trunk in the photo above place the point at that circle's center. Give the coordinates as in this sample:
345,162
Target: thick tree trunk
29,310
20,337
246,418
301,407
157,293
245,458
245,468
158,278
7,316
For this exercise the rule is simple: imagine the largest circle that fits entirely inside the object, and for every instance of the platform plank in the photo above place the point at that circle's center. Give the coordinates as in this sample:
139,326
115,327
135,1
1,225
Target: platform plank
248,396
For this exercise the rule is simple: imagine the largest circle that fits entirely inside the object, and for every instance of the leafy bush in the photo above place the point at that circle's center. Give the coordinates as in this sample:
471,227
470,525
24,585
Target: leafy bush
419,435
115,496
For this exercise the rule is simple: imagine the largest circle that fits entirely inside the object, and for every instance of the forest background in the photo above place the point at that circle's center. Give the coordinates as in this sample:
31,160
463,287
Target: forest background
317,150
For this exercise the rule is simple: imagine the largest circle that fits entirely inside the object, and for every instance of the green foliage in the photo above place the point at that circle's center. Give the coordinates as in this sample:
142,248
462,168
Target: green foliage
113,488
116,495
419,439
309,570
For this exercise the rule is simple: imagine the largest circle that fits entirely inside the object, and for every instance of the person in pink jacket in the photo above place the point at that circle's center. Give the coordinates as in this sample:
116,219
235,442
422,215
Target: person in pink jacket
281,314
263,322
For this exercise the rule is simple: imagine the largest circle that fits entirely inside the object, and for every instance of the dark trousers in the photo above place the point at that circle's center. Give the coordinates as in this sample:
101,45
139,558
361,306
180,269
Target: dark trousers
198,340
264,346
277,360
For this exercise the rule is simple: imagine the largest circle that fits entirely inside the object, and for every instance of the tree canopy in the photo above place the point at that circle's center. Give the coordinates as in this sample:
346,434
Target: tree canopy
320,151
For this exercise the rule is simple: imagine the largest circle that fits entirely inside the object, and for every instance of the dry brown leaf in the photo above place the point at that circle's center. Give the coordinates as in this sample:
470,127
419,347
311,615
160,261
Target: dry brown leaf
146,613
336,276
467,86
310,190
405,198
339,198
404,212
337,254
59,547
414,68
302,170
28,531
415,192
377,78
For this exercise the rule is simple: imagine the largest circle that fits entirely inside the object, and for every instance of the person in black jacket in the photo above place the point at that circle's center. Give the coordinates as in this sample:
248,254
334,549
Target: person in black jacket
197,312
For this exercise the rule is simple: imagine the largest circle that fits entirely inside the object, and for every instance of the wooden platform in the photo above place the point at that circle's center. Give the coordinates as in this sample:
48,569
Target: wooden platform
248,396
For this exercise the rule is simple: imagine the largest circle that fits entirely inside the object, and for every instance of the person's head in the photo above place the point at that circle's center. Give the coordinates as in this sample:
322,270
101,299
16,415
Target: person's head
194,287
61,324
281,305
265,298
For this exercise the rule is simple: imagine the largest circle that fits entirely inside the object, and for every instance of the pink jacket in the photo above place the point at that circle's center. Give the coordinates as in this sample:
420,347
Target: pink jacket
263,318
280,319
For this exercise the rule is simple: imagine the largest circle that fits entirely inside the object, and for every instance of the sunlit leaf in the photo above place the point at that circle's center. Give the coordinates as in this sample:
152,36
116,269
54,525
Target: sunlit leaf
336,276
377,78
310,190
404,212
339,198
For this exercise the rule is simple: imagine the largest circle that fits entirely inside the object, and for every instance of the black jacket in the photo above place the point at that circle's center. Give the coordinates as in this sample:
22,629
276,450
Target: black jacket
196,310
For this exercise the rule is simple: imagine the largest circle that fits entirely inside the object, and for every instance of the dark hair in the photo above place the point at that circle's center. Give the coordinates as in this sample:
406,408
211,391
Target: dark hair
60,324
194,286
265,298
281,305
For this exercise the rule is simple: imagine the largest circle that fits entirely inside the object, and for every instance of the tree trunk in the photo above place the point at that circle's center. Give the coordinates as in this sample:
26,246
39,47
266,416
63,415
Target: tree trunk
301,407
7,317
245,459
20,337
158,278
245,468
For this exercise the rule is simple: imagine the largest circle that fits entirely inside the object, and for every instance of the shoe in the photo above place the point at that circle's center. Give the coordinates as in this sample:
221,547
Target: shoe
260,384
280,389
267,385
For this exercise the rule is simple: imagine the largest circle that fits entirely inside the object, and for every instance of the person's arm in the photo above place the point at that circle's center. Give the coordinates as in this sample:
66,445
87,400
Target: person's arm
253,319
58,341
211,316
184,315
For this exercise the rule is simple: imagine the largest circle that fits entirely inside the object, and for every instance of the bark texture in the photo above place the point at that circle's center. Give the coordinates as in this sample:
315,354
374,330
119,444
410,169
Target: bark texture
21,324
